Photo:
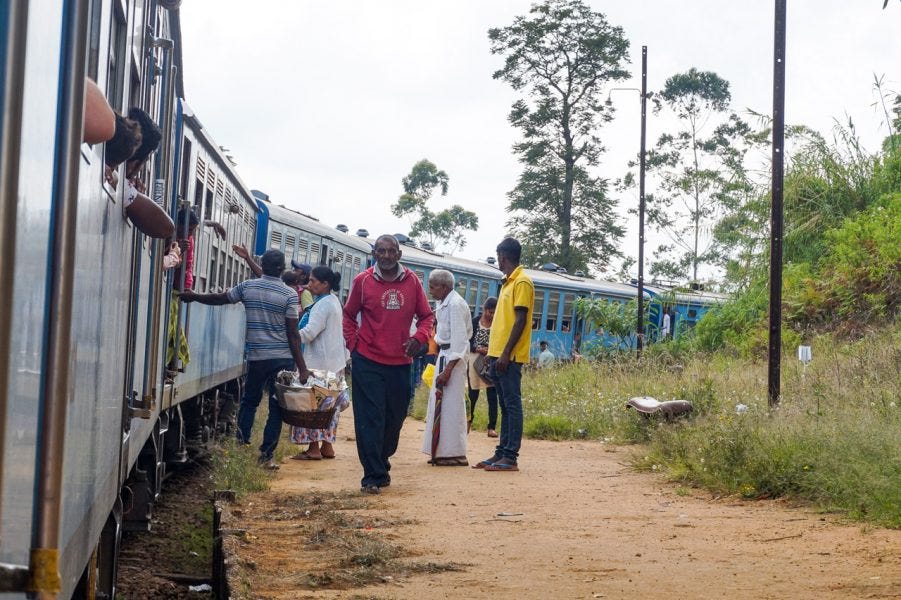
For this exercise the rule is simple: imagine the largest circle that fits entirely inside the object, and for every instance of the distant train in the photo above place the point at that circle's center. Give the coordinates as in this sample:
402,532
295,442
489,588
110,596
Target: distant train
305,239
91,419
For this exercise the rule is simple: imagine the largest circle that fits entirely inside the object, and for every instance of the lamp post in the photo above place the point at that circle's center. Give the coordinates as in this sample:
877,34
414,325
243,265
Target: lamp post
639,330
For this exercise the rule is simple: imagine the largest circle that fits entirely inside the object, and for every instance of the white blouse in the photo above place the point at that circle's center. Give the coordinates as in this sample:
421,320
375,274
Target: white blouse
454,326
323,337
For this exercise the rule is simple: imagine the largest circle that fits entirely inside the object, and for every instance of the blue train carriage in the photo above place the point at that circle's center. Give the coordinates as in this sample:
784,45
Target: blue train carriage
687,307
554,317
81,332
307,240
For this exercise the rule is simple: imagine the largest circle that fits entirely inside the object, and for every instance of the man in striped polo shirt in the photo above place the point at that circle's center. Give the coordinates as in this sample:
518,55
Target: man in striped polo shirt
271,342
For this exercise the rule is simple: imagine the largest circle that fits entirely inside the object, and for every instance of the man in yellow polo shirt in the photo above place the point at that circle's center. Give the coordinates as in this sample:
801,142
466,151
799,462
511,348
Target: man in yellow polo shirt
508,350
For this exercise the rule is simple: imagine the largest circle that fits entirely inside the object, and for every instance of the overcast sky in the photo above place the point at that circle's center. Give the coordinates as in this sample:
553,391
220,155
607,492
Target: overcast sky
326,105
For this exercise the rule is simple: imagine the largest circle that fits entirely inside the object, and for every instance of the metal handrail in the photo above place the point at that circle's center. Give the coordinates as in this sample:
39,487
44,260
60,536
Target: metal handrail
13,78
45,578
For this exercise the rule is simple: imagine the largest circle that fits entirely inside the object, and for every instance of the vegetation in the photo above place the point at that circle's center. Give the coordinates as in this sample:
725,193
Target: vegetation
446,227
562,55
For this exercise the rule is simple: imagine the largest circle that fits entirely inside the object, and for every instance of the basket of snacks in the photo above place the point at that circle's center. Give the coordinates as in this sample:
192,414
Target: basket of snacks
311,406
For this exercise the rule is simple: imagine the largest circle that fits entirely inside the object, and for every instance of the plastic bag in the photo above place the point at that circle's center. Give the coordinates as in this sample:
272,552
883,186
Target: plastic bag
428,374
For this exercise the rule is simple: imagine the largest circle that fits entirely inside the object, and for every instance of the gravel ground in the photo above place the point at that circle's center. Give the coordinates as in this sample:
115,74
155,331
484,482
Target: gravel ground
176,553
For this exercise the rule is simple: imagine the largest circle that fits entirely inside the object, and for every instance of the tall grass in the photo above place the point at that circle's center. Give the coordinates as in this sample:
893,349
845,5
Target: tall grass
835,439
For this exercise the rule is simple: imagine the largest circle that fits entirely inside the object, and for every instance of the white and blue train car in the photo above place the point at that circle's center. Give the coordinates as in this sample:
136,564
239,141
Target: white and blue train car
686,306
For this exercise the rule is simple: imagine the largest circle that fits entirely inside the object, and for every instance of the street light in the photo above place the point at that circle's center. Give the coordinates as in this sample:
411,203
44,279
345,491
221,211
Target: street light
641,168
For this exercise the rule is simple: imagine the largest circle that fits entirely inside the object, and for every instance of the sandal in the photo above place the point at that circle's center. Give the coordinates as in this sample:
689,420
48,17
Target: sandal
492,433
502,466
452,461
305,456
486,463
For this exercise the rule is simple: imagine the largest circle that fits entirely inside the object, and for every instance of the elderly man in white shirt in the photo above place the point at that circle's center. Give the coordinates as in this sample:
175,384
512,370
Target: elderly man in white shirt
453,330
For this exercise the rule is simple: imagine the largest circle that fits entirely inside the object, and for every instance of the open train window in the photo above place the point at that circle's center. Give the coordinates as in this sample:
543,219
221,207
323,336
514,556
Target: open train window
553,305
118,58
461,287
537,310
566,319
692,313
473,294
483,295
95,10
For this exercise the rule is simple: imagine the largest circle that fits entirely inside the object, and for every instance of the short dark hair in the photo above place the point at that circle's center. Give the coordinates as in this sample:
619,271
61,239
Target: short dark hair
510,248
150,133
291,278
185,216
124,143
326,275
273,262
491,303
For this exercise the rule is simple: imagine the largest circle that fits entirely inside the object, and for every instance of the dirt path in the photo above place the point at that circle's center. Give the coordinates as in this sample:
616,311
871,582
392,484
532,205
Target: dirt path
582,526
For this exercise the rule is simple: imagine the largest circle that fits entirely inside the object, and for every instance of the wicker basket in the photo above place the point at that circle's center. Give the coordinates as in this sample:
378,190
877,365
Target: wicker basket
299,406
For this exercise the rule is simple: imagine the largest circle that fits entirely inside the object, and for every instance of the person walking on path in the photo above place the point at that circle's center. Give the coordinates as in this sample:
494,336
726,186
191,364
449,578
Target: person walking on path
478,355
271,341
445,423
383,301
323,349
508,350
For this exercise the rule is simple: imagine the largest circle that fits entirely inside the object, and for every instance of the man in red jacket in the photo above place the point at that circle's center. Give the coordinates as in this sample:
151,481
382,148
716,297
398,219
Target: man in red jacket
378,314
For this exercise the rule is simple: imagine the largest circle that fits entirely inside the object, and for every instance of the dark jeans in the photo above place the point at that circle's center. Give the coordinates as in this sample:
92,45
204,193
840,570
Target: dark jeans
380,396
260,374
491,393
509,395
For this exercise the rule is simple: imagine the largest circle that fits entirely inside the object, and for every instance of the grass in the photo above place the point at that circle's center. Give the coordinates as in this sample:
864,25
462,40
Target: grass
834,441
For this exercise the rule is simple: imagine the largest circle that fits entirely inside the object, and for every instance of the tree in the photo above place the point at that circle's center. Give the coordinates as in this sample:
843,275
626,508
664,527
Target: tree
698,178
561,55
447,226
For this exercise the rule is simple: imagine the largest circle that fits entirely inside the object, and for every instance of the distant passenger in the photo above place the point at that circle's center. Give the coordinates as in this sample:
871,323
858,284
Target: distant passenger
665,326
477,373
545,356
384,299
272,344
508,350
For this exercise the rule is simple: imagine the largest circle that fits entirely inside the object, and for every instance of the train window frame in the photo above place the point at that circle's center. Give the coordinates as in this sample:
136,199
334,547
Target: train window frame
550,322
538,310
566,319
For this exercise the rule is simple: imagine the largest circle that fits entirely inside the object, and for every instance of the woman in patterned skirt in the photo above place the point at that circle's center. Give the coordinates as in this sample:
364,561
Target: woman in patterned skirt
324,350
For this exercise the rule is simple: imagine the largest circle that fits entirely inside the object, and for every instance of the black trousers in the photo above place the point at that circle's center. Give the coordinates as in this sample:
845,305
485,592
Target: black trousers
380,397
491,393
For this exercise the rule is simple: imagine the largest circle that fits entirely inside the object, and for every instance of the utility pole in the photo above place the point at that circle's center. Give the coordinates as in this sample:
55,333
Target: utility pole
775,339
639,330
641,166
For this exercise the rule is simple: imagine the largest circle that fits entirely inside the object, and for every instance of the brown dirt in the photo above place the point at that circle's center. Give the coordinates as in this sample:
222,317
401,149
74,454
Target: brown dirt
582,525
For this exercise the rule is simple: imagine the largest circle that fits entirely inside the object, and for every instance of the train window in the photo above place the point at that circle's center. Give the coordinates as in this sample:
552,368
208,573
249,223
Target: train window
421,276
95,10
461,287
473,294
357,263
213,271
289,246
537,310
566,320
275,239
223,282
208,207
184,178
200,286
314,251
553,304
692,313
484,295
302,248
115,85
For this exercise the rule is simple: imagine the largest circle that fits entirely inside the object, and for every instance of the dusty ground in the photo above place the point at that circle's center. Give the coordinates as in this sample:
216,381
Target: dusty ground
579,524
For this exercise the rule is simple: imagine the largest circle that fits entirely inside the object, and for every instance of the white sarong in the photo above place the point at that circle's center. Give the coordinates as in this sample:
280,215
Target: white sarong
452,431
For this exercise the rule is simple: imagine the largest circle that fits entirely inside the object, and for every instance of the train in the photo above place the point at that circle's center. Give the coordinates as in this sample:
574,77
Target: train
94,413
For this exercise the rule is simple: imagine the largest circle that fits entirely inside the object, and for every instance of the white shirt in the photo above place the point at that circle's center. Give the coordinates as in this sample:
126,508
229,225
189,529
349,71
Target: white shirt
545,358
454,326
664,330
323,337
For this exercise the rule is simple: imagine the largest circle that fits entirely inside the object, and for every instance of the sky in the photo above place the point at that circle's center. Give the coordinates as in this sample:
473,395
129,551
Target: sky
325,106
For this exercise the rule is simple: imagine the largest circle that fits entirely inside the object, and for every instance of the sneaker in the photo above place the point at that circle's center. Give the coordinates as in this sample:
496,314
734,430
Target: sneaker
370,489
266,462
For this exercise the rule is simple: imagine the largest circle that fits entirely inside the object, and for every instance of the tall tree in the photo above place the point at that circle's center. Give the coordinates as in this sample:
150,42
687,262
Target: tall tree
699,171
448,226
561,55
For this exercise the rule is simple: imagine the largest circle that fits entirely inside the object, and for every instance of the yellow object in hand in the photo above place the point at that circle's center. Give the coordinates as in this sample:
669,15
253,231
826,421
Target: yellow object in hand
428,374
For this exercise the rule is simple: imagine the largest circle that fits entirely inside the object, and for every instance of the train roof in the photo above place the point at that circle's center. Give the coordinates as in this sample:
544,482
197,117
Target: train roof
282,214
565,281
688,296
214,150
